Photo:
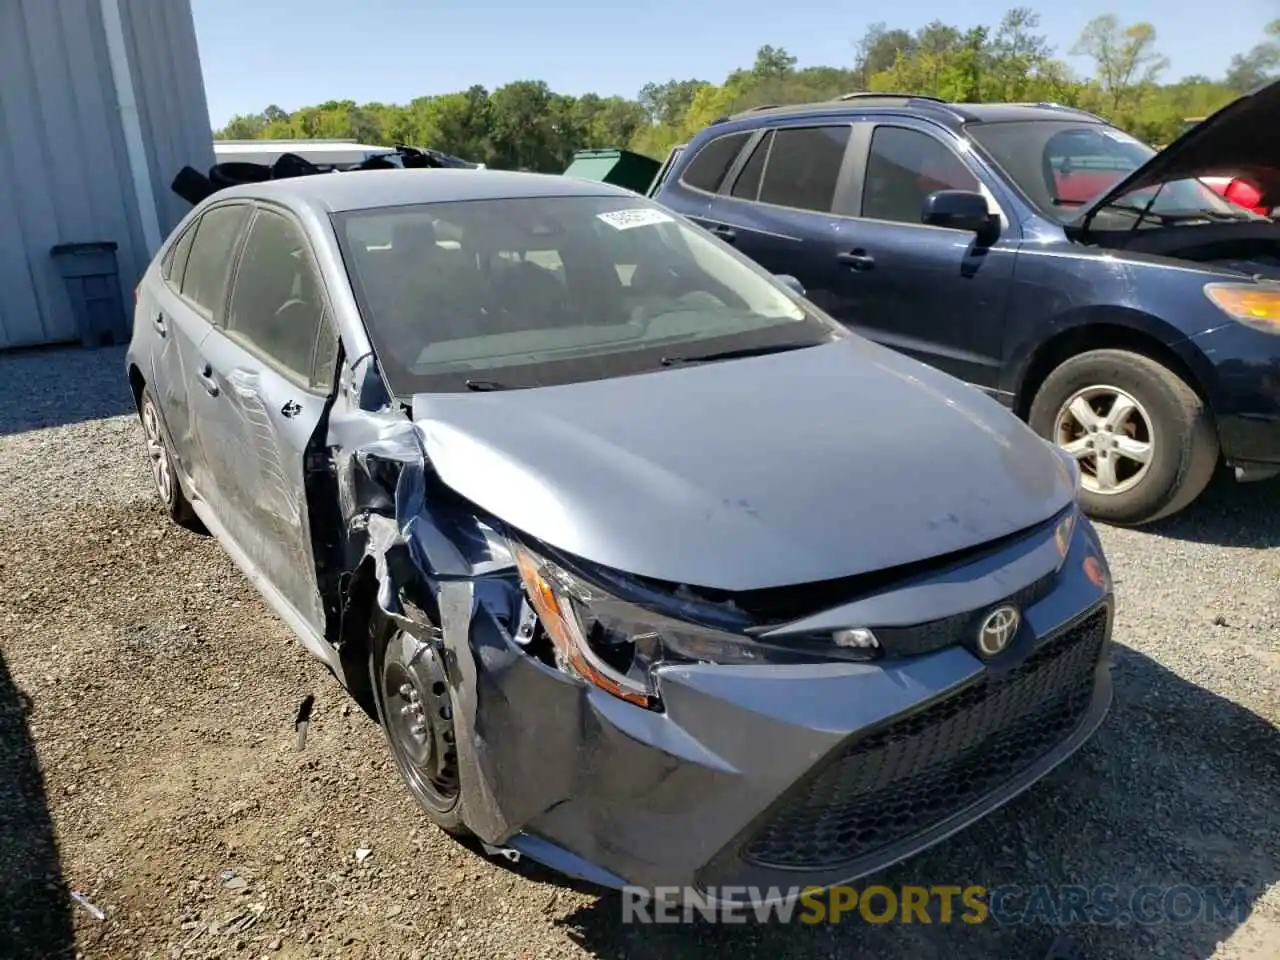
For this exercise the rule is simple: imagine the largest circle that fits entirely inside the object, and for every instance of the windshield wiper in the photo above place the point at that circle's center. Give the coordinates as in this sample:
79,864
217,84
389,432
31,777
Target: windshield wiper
674,360
484,385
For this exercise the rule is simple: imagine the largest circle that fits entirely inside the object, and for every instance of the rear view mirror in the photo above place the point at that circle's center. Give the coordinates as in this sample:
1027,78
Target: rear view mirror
960,210
790,282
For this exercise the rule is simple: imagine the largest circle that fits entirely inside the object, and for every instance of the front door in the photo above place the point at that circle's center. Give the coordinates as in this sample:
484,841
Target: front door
267,373
934,293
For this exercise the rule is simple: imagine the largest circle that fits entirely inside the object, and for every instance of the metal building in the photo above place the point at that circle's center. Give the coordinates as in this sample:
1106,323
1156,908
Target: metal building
101,103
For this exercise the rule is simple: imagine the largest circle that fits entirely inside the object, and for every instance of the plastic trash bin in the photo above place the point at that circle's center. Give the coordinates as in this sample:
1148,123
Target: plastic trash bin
93,283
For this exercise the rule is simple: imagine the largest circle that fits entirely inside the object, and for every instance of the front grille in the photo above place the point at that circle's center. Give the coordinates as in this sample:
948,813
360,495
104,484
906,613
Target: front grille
959,628
906,777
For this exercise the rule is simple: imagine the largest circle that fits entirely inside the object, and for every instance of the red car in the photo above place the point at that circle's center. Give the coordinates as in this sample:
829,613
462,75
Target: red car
1254,189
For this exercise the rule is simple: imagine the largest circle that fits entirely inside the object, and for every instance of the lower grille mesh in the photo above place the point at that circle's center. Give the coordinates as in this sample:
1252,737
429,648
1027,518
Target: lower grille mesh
904,778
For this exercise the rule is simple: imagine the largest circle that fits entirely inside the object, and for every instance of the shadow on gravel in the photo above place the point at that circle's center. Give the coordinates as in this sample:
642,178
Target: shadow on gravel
55,386
1228,514
1169,811
35,909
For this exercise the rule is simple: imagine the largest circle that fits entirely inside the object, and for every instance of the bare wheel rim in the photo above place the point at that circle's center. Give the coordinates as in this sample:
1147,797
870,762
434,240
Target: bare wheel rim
157,452
418,716
1110,434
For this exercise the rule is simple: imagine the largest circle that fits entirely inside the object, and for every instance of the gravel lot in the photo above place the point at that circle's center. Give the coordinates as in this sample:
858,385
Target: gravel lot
147,704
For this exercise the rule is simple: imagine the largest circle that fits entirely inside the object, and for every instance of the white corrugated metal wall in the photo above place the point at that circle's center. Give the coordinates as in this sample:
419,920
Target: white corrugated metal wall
64,169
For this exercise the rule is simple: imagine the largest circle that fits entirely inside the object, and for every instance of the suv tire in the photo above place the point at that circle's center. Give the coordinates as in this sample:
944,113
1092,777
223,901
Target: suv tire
1144,439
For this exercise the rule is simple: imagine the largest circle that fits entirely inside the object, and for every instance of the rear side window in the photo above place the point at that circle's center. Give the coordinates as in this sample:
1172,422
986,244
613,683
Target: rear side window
904,167
804,167
175,261
277,305
204,282
747,186
710,164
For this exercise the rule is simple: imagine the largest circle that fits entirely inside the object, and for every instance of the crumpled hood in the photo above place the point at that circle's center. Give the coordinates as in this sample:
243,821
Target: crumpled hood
795,467
1242,135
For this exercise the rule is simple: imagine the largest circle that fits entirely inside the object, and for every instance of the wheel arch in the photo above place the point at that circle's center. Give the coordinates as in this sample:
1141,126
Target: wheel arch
1117,330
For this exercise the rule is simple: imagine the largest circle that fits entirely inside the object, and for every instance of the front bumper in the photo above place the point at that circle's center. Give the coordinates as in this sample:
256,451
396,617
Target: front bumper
1245,391
769,775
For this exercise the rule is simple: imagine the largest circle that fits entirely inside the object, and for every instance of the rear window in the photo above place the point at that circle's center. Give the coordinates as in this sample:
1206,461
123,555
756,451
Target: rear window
538,291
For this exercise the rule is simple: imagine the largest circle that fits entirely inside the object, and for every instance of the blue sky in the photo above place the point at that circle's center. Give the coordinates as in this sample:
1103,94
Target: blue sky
298,52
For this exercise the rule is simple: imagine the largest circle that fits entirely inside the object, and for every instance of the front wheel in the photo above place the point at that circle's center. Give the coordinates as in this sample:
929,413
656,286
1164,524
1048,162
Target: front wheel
415,709
1144,439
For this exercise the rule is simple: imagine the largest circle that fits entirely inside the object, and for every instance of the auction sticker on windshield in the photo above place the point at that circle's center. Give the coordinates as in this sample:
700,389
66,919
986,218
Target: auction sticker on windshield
642,217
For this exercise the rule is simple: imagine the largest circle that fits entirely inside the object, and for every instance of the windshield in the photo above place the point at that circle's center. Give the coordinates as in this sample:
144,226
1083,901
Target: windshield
500,294
1064,165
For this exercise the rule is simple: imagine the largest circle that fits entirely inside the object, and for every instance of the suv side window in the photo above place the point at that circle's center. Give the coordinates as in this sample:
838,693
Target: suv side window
804,167
277,305
710,164
903,168
204,282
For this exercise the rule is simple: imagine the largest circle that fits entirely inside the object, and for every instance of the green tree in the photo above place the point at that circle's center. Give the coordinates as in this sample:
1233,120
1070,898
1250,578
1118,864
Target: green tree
1258,65
1125,59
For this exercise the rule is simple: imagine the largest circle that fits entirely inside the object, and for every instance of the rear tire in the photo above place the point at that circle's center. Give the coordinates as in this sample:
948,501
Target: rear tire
163,466
1145,441
415,710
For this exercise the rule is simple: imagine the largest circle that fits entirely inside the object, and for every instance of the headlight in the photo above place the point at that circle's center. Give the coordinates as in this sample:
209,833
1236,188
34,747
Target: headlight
1254,304
615,645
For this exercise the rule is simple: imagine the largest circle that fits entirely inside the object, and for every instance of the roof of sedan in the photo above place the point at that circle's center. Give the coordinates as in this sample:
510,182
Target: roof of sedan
363,189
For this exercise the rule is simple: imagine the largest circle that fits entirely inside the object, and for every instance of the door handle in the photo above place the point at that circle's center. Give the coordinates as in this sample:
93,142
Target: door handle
291,409
206,380
158,322
857,259
727,234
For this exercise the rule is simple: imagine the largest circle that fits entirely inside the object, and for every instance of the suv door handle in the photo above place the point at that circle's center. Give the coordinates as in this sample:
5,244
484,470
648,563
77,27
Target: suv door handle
291,409
857,259
158,322
727,234
206,380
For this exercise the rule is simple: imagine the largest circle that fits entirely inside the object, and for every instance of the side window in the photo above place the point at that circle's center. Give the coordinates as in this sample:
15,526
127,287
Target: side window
204,282
707,169
277,305
904,167
804,166
175,261
747,186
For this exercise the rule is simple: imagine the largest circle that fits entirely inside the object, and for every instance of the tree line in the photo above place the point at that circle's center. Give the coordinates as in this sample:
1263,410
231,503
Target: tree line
526,125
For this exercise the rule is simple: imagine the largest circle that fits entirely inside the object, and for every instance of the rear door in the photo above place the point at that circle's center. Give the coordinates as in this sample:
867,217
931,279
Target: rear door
190,296
269,373
782,208
931,292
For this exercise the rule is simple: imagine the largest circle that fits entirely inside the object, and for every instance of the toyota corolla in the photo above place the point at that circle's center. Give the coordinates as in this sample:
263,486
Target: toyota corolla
649,569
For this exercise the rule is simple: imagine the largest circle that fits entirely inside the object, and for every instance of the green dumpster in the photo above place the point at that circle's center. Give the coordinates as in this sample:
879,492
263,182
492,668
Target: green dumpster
619,167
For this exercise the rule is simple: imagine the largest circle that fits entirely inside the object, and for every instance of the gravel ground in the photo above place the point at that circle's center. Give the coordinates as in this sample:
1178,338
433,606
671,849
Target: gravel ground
147,704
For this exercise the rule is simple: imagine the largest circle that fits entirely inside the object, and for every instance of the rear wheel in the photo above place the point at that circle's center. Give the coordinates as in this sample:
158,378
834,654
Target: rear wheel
163,469
415,709
1144,440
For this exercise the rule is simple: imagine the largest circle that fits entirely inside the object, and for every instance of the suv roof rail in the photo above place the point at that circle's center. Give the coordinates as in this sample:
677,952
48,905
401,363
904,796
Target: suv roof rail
871,94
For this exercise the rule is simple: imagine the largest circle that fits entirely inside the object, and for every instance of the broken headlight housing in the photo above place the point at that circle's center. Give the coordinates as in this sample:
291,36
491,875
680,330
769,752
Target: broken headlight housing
616,644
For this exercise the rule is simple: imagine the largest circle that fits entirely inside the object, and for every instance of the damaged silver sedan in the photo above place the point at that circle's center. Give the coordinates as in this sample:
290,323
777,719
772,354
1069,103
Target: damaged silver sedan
649,569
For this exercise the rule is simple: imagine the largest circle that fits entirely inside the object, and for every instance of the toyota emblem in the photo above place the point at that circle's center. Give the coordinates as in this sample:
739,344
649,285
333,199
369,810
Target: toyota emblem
998,630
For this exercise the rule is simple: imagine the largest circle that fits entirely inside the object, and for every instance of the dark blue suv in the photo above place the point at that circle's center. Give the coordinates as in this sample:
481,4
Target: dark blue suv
1099,288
